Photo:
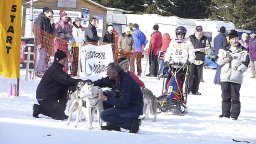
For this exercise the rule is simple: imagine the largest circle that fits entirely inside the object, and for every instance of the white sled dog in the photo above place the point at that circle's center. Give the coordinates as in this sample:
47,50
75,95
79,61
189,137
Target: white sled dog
150,103
84,99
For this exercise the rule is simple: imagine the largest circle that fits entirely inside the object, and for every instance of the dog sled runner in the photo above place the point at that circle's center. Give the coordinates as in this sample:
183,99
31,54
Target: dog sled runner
174,96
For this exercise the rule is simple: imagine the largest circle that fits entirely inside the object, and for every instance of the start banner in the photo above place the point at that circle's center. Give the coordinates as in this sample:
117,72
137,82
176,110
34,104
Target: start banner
10,38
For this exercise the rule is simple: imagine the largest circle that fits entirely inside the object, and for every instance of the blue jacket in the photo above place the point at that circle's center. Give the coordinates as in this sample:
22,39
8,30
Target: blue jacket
126,93
220,41
54,84
139,39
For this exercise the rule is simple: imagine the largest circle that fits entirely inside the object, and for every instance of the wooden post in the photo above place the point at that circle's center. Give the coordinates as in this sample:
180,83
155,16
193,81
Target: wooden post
79,61
18,87
28,62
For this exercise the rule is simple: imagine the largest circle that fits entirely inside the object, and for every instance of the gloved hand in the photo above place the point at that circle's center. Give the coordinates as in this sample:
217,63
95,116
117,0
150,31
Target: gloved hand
88,81
166,69
226,60
188,62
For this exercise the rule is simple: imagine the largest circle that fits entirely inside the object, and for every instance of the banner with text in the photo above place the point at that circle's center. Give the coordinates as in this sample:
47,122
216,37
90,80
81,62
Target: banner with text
94,60
10,38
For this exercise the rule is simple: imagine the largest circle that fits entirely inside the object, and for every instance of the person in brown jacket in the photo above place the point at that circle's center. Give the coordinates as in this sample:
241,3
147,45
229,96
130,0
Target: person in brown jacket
126,47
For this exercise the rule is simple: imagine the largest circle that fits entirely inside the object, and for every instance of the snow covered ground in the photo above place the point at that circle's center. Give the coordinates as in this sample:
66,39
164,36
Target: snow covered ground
200,126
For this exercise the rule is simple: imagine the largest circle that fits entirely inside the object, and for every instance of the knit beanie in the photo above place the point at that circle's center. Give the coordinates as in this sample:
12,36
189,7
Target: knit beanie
222,29
59,55
232,34
63,13
155,27
122,61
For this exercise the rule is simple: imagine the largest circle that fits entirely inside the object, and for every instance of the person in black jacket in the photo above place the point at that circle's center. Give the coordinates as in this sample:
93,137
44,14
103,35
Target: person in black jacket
43,29
51,92
91,34
201,45
125,100
109,36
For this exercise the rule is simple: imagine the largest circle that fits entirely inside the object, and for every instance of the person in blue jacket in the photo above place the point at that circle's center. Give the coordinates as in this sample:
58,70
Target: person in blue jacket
125,100
140,42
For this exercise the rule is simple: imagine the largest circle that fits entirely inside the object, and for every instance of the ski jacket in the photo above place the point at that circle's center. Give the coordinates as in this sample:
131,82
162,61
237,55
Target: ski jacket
155,42
54,83
125,94
125,42
91,34
220,41
252,49
139,39
233,71
198,44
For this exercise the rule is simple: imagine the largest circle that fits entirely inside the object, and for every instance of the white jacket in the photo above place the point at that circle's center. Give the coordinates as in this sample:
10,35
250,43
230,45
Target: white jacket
233,71
180,52
78,35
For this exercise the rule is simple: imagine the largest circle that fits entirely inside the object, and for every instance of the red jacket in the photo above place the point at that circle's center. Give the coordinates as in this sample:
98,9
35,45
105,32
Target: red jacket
137,80
166,41
155,42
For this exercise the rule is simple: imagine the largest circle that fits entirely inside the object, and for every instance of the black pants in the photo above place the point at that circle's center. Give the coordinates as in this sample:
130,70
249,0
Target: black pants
53,108
153,64
230,99
195,77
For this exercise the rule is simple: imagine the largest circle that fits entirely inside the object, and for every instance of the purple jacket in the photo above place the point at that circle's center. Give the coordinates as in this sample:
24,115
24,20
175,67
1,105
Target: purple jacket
252,49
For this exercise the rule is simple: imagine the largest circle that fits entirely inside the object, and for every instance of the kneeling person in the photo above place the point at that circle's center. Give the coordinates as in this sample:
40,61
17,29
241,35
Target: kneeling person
51,92
126,97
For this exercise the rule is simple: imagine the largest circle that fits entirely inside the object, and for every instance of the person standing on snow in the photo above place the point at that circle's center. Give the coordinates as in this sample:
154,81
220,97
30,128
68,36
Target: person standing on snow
154,48
201,45
234,61
140,42
252,52
220,41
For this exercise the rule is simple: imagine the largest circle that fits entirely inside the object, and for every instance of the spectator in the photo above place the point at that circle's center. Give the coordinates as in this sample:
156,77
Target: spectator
154,48
64,33
220,42
126,47
91,32
140,42
43,28
201,46
234,61
78,35
165,44
252,53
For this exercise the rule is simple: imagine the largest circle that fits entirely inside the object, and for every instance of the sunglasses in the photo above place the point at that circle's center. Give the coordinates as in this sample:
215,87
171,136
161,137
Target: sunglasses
180,33
199,30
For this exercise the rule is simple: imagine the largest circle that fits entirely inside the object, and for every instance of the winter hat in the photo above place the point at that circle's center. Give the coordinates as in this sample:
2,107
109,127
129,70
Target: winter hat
244,36
77,19
122,61
63,13
45,9
155,27
135,25
222,29
232,34
59,55
110,28
253,31
199,28
127,29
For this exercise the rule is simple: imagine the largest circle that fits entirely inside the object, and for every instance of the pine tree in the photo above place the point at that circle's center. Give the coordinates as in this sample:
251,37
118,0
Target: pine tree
240,12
